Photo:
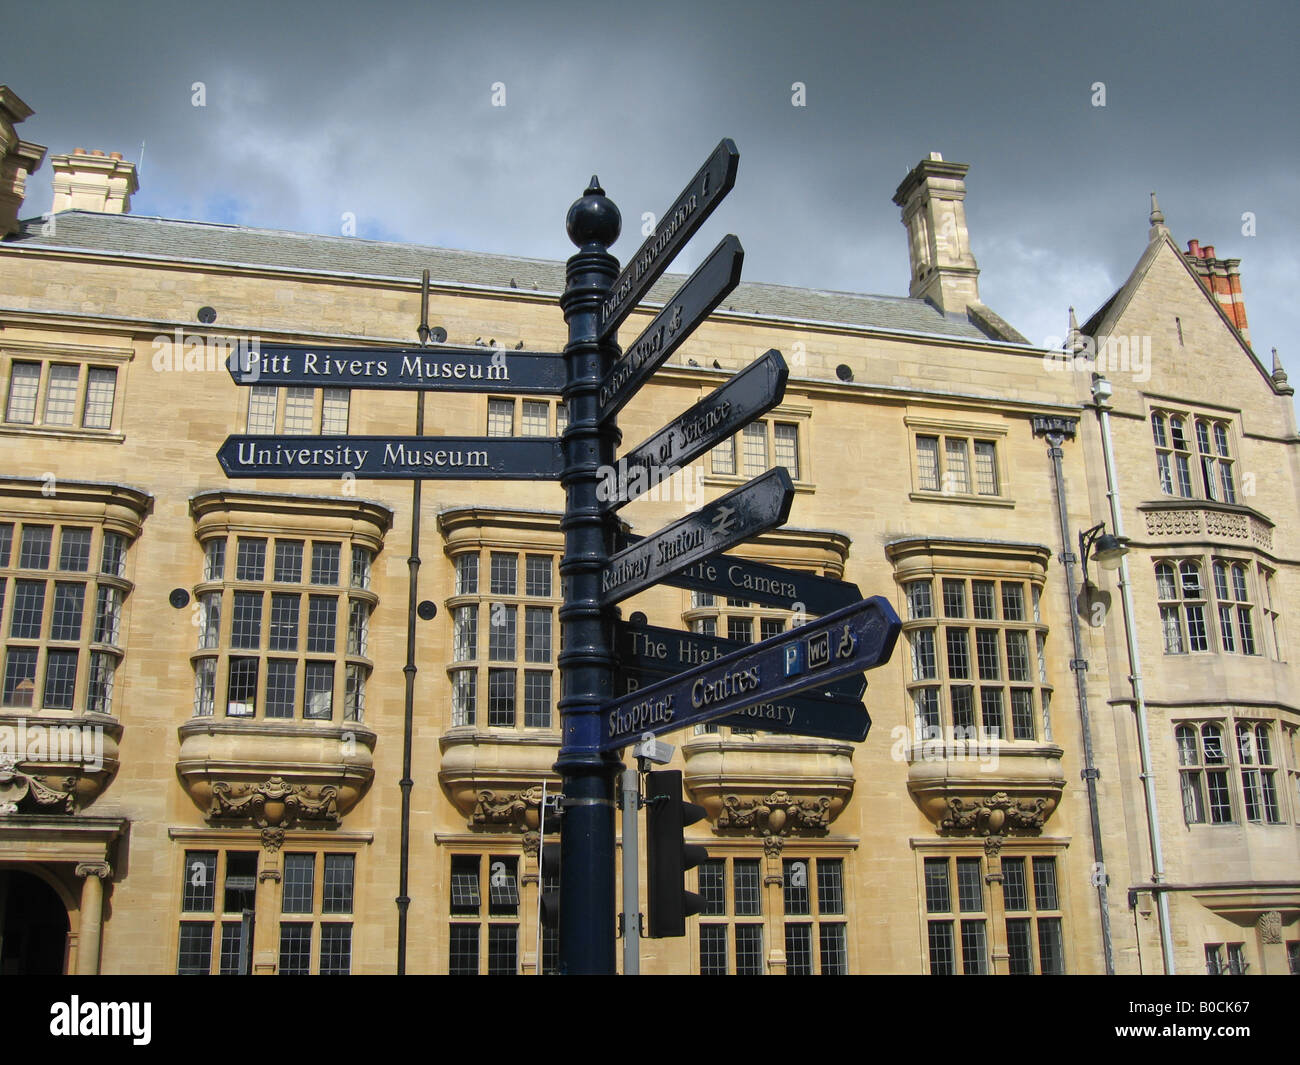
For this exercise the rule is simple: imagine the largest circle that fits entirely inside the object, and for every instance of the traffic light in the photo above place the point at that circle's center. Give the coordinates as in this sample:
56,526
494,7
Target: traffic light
668,855
549,862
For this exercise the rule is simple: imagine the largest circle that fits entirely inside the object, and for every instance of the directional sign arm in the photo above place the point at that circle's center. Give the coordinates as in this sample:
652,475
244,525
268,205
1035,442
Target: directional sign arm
762,504
388,457
711,283
725,411
858,637
676,226
438,368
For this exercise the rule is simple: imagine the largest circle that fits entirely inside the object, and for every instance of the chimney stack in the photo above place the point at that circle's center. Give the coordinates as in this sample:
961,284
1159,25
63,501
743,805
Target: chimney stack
944,271
1222,277
93,182
18,158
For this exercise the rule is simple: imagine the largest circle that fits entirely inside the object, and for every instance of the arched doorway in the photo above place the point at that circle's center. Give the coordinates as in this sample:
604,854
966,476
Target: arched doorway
33,926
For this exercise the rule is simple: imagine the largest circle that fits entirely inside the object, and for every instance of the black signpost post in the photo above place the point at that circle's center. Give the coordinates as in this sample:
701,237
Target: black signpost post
806,681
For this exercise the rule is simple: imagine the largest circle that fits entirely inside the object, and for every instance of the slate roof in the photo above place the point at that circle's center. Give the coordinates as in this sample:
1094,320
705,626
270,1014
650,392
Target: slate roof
142,236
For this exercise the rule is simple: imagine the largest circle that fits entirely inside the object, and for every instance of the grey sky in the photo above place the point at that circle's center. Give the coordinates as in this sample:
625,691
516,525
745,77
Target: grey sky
313,110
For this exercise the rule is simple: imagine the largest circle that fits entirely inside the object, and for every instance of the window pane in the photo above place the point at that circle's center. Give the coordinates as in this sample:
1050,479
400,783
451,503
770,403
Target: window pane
99,685
537,699
748,893
1014,896
986,468
754,448
262,402
60,679
1045,884
795,885
535,420
956,477
501,417
834,950
713,950
786,440
241,691
974,949
288,561
24,381
61,395
462,959
503,949
537,580
503,886
20,676
100,388
339,869
937,895
318,691
941,949
467,574
194,955
830,886
29,606
464,884
295,949
970,885
35,550
281,685
724,457
334,412
362,557
199,891
69,603
504,575
284,620
537,634
954,599
503,623
501,697
299,406
749,950
250,559
232,938
798,949
920,603
982,600
214,560
335,949
1019,947
325,563
322,621
927,463
464,696
1050,953
712,887
246,625
299,883
465,634
108,615
74,550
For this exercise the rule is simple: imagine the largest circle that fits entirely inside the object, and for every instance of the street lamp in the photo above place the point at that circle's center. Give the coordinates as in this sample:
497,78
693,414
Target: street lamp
1107,550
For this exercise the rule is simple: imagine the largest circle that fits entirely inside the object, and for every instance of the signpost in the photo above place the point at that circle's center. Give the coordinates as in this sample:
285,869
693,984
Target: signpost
722,413
440,368
848,641
753,508
807,681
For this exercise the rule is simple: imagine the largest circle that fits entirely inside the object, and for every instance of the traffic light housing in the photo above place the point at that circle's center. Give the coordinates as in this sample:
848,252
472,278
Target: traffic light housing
668,855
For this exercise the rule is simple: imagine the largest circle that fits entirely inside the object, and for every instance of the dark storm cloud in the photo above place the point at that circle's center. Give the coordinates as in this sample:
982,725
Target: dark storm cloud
385,112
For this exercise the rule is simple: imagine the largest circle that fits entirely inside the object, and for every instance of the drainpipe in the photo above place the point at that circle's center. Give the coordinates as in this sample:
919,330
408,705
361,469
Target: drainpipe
1057,430
1101,393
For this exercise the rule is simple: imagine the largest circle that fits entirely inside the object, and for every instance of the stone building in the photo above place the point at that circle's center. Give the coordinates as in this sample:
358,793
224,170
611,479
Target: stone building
205,680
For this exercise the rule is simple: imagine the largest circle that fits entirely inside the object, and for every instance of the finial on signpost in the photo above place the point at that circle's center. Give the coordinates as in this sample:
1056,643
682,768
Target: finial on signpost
594,219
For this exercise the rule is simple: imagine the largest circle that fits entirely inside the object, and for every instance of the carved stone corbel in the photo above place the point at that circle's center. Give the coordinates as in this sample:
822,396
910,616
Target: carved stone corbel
777,814
100,869
505,808
1269,926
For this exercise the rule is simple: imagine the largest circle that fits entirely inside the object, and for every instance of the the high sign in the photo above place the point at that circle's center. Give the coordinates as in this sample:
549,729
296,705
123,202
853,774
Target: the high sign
716,277
676,226
667,652
851,640
753,508
725,411
437,368
468,458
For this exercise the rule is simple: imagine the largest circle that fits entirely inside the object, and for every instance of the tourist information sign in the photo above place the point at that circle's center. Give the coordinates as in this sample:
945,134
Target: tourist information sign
693,302
436,368
725,411
848,641
676,226
667,652
753,508
388,457
757,582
